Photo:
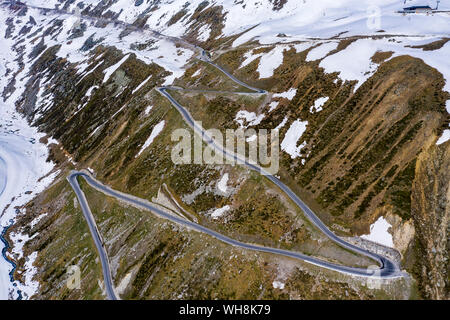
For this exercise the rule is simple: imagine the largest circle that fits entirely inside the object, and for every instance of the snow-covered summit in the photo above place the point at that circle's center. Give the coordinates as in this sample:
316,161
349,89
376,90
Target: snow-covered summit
268,19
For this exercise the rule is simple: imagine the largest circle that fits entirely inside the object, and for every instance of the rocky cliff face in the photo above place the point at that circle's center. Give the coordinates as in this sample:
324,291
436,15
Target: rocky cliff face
358,154
431,211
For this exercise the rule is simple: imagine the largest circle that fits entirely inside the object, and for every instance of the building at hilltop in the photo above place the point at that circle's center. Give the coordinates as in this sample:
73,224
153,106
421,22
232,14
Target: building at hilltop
420,9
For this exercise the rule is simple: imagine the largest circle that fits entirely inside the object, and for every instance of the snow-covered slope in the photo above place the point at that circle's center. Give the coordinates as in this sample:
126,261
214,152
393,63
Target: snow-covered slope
267,23
295,19
22,161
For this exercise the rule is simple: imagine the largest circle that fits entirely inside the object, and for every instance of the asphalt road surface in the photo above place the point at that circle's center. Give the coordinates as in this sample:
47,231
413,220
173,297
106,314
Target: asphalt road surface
109,287
387,270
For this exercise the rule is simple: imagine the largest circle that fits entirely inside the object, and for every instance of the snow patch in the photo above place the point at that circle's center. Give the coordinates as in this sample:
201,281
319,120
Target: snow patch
31,286
278,285
273,105
141,84
379,233
222,184
249,58
204,33
196,73
89,91
270,61
290,94
110,70
148,109
36,220
219,212
294,133
445,137
318,104
302,46
353,63
282,124
250,118
155,132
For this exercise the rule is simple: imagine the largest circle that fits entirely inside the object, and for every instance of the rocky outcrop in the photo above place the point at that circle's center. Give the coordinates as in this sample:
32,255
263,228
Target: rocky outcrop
430,212
402,232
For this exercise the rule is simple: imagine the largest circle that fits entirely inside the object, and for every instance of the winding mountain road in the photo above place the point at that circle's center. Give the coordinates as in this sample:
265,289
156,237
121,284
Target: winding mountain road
109,287
387,269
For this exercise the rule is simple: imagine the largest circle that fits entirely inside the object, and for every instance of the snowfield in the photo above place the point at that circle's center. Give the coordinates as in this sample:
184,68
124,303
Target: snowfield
270,61
24,171
296,20
22,164
321,51
300,20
